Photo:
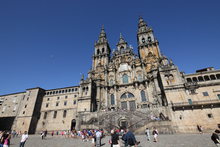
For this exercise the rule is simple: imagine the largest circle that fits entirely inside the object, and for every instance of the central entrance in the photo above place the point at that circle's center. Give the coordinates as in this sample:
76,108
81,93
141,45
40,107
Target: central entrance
73,124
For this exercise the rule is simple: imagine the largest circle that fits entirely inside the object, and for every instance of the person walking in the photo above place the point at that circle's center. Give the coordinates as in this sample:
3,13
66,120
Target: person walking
155,134
215,138
147,132
6,139
24,138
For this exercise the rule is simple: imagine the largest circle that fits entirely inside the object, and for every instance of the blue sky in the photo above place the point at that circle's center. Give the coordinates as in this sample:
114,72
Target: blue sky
49,43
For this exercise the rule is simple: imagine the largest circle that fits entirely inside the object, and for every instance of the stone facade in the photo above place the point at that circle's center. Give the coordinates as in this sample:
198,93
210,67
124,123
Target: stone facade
122,89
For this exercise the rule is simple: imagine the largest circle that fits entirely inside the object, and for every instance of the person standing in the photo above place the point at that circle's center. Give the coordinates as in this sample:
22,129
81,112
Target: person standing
130,139
115,139
98,135
24,138
6,140
155,134
147,132
215,138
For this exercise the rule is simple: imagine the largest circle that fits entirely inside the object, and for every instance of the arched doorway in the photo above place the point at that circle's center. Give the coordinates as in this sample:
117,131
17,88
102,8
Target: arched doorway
73,124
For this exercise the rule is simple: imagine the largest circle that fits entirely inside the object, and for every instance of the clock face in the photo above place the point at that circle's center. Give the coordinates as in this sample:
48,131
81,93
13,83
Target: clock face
143,40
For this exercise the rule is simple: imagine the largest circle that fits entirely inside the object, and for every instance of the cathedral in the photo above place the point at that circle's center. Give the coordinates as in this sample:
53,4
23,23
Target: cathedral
122,89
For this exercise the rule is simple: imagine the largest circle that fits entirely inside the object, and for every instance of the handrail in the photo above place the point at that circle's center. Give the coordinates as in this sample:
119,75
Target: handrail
197,102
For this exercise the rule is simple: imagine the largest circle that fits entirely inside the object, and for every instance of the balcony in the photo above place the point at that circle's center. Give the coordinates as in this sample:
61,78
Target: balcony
196,105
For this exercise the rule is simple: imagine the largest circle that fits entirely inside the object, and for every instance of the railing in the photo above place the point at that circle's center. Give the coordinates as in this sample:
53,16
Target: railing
196,105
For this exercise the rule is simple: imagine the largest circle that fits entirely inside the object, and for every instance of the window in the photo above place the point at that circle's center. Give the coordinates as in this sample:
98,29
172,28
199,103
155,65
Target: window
25,106
57,104
55,114
75,95
48,99
112,99
205,94
190,101
27,98
206,78
212,77
218,76
189,80
139,78
125,79
143,96
47,104
45,115
64,113
74,102
195,79
23,112
103,50
98,51
65,103
111,82
210,115
127,95
218,96
200,78
66,97
58,98
76,89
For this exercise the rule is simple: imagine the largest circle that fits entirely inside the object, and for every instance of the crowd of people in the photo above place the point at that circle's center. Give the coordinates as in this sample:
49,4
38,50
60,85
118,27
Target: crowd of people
118,137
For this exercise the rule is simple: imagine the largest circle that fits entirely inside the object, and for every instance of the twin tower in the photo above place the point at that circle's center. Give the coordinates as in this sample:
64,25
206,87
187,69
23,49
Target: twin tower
148,47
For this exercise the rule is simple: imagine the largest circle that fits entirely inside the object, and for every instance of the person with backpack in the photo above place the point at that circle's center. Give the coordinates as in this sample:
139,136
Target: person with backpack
215,138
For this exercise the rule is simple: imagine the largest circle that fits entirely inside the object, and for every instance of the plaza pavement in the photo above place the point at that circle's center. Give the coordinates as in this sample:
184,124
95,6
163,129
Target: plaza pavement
177,140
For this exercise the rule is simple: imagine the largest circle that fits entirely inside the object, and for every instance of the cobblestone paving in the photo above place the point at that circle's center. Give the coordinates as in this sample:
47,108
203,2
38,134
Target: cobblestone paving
180,140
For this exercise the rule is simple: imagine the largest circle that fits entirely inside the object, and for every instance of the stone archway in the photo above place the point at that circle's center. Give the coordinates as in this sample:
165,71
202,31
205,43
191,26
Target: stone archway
73,124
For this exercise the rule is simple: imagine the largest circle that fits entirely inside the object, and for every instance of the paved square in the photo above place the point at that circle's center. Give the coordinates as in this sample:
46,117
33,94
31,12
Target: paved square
180,140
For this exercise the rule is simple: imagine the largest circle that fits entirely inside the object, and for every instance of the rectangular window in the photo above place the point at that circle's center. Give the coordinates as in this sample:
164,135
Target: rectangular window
57,104
65,103
55,114
66,97
45,115
205,94
64,113
48,99
190,101
47,105
58,98
124,106
210,115
74,102
218,96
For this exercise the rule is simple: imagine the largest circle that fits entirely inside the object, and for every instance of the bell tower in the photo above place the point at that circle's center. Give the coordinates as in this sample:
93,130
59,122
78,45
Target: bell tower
102,52
148,46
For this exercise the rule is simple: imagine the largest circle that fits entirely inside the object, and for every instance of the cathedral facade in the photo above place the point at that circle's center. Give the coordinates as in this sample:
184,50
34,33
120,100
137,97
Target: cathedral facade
122,89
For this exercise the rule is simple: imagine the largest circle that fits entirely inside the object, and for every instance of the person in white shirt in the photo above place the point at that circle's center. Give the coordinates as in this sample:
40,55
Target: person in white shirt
24,138
98,135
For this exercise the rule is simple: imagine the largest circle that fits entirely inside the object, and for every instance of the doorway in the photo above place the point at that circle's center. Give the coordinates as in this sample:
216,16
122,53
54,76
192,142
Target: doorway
73,124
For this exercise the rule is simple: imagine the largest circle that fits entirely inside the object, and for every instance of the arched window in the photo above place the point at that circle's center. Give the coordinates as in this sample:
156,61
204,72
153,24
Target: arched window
206,78
111,82
98,51
127,95
112,99
195,79
218,76
139,78
103,50
143,96
200,78
125,79
189,80
121,47
212,77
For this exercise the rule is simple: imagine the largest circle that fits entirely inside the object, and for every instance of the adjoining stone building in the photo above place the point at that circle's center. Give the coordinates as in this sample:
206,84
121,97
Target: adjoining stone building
122,89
